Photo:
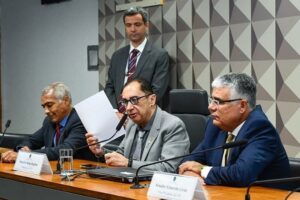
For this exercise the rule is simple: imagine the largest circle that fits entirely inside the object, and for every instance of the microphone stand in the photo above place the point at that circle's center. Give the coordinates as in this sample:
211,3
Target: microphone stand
261,182
137,185
120,124
7,124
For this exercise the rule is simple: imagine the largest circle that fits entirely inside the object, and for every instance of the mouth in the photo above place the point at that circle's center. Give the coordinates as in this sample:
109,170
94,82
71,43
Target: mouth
214,117
132,115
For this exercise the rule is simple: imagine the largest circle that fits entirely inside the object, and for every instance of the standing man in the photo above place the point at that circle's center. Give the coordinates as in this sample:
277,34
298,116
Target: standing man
140,59
235,116
151,134
62,128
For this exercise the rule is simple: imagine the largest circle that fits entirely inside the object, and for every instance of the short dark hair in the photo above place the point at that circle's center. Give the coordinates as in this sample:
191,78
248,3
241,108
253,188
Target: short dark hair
145,86
134,11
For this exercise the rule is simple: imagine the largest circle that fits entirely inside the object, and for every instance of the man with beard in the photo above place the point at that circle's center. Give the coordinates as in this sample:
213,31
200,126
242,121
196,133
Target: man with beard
61,129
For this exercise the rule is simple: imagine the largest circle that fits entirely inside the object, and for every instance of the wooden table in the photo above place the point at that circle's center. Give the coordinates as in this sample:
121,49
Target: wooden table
16,185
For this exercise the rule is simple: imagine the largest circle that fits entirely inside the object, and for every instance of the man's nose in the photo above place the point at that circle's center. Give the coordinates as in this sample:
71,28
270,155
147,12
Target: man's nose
212,107
46,110
129,106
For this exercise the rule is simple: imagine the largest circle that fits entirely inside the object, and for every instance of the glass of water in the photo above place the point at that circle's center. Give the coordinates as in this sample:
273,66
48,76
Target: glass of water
66,161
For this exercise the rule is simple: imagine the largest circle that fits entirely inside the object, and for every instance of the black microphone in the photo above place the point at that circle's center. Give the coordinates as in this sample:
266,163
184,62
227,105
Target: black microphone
137,185
262,182
119,126
6,127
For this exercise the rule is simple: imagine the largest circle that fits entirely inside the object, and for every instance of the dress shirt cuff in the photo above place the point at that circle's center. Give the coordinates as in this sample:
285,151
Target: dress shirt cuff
205,171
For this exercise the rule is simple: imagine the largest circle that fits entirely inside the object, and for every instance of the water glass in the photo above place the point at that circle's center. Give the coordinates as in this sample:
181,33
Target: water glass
66,161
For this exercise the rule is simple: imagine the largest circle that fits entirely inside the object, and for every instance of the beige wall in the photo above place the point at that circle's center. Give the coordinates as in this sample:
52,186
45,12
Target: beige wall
207,38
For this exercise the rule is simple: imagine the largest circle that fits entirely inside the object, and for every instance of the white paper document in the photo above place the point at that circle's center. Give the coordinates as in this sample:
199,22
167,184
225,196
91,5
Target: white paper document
99,117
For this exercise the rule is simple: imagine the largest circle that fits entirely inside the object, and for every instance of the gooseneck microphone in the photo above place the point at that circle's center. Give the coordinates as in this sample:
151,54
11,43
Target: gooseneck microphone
120,124
262,182
137,185
118,127
7,124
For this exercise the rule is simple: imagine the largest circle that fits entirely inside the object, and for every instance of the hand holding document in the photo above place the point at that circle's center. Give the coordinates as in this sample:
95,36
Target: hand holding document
99,117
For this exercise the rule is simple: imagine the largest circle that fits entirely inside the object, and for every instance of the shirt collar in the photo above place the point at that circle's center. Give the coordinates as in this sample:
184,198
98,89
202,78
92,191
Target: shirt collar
149,124
140,47
63,122
235,132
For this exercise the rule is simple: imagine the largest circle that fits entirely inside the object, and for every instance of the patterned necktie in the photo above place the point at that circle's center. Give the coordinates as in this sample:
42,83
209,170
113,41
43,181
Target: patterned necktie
138,148
130,73
229,139
132,64
57,134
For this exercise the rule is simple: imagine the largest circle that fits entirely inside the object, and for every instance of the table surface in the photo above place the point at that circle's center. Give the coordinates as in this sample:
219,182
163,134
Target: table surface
93,187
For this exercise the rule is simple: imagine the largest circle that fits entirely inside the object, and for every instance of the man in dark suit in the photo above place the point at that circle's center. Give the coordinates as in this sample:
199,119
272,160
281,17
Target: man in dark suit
152,63
62,128
235,116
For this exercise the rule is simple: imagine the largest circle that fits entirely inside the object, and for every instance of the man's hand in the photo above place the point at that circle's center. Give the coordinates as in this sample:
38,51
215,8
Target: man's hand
9,156
116,159
96,149
191,166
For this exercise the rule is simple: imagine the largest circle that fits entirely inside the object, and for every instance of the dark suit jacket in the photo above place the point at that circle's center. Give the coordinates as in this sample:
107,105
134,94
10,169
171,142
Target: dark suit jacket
264,156
72,137
153,66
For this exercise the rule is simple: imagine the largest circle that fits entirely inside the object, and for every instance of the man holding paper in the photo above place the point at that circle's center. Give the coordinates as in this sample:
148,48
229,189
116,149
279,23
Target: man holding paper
151,134
62,128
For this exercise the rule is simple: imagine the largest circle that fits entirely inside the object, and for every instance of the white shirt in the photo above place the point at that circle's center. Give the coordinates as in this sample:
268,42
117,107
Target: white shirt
141,49
206,169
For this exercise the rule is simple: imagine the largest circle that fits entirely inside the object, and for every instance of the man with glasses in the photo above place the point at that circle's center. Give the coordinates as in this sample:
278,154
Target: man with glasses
151,134
235,116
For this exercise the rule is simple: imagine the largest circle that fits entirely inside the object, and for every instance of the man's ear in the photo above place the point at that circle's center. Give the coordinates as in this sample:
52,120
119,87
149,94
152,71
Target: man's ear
152,98
244,105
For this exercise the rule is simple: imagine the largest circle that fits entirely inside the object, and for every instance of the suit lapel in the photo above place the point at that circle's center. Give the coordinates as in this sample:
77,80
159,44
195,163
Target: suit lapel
50,135
220,141
120,73
130,140
154,131
143,59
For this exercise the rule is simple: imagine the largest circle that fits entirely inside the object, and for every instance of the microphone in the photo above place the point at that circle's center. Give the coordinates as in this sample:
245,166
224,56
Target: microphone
262,182
137,185
119,126
7,124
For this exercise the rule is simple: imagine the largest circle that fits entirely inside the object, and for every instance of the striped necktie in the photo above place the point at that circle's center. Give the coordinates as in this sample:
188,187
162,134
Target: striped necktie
132,64
229,139
57,134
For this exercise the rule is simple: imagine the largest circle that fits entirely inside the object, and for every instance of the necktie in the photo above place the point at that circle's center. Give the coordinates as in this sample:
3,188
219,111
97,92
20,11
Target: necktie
130,73
138,149
57,134
132,64
229,139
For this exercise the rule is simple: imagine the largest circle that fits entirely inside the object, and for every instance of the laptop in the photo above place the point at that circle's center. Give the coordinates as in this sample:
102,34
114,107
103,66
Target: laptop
121,174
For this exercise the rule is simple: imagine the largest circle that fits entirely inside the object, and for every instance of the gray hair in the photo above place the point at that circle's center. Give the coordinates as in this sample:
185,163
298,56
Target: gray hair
134,11
241,86
59,90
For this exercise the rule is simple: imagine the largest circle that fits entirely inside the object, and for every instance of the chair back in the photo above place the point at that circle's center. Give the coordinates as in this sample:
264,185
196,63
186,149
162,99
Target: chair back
191,106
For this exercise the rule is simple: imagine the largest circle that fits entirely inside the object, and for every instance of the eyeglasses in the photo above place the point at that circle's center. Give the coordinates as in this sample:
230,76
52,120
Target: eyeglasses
218,102
133,100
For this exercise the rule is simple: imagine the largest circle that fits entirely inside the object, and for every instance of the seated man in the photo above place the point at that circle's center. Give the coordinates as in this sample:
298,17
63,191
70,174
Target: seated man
62,128
234,114
151,134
